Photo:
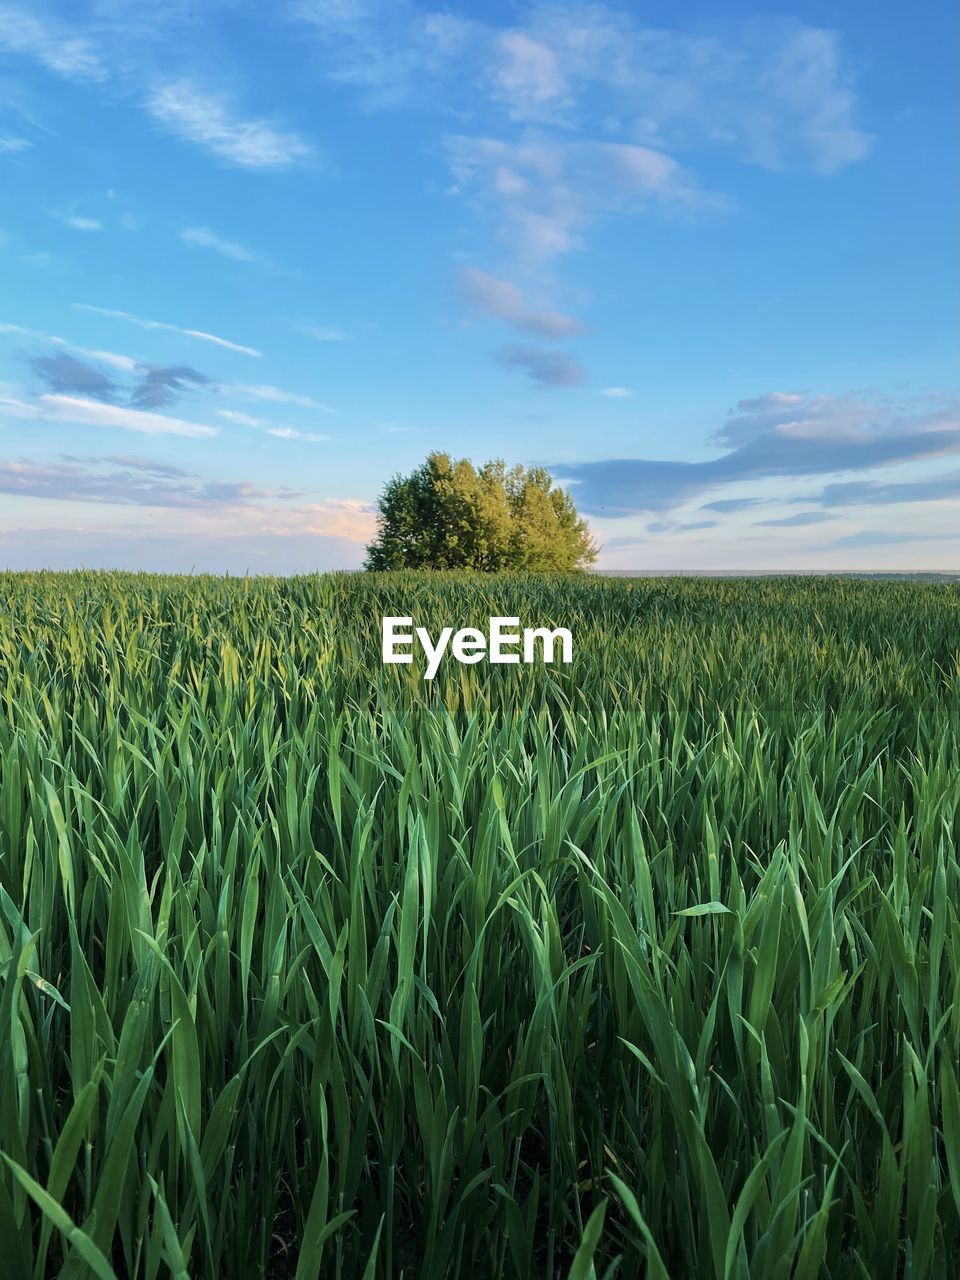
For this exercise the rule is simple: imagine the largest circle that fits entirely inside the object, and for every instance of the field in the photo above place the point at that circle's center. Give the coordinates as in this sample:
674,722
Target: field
644,967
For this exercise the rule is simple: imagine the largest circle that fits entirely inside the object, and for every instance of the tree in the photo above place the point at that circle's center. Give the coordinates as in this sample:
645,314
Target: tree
449,515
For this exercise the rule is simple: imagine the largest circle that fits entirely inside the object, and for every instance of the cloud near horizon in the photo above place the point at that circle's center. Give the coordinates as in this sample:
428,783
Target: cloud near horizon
202,525
779,434
122,480
221,509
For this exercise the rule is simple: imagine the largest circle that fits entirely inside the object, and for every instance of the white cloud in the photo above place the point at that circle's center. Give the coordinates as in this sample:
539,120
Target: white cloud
281,433
277,395
127,363
65,55
114,358
242,419
617,393
324,333
134,40
290,433
503,299
204,238
205,119
774,92
78,223
10,146
125,480
549,190
199,334
389,51
526,75
94,413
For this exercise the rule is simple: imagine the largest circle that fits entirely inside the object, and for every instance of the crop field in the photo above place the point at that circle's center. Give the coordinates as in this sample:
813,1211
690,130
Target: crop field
646,966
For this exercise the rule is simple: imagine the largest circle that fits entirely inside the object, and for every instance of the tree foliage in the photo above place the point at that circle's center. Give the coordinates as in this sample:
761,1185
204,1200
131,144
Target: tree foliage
449,514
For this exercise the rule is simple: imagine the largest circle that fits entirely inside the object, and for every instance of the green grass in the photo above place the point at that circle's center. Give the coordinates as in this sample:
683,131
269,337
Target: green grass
647,966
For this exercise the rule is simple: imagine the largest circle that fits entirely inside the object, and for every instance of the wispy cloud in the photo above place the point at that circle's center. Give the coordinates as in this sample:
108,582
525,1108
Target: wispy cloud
264,424
548,191
586,110
114,358
874,493
50,44
324,333
889,537
545,368
501,298
617,393
774,92
199,334
390,52
10,146
127,57
76,221
799,519
242,419
204,238
527,75
291,433
729,506
206,119
276,395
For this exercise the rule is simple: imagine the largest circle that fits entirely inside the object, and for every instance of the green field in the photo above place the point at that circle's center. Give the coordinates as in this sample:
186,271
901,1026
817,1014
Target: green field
646,966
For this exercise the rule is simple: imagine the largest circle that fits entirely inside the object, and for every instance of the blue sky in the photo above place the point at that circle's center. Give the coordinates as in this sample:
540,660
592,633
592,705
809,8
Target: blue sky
699,260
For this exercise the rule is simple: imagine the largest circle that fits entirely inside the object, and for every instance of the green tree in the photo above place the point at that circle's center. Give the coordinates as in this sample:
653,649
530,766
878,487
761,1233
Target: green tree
449,514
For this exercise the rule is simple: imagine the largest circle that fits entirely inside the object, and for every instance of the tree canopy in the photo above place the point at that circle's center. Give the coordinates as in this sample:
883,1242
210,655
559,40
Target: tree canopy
449,514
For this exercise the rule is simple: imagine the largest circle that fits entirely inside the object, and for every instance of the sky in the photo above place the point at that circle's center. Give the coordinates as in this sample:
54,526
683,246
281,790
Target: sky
700,260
